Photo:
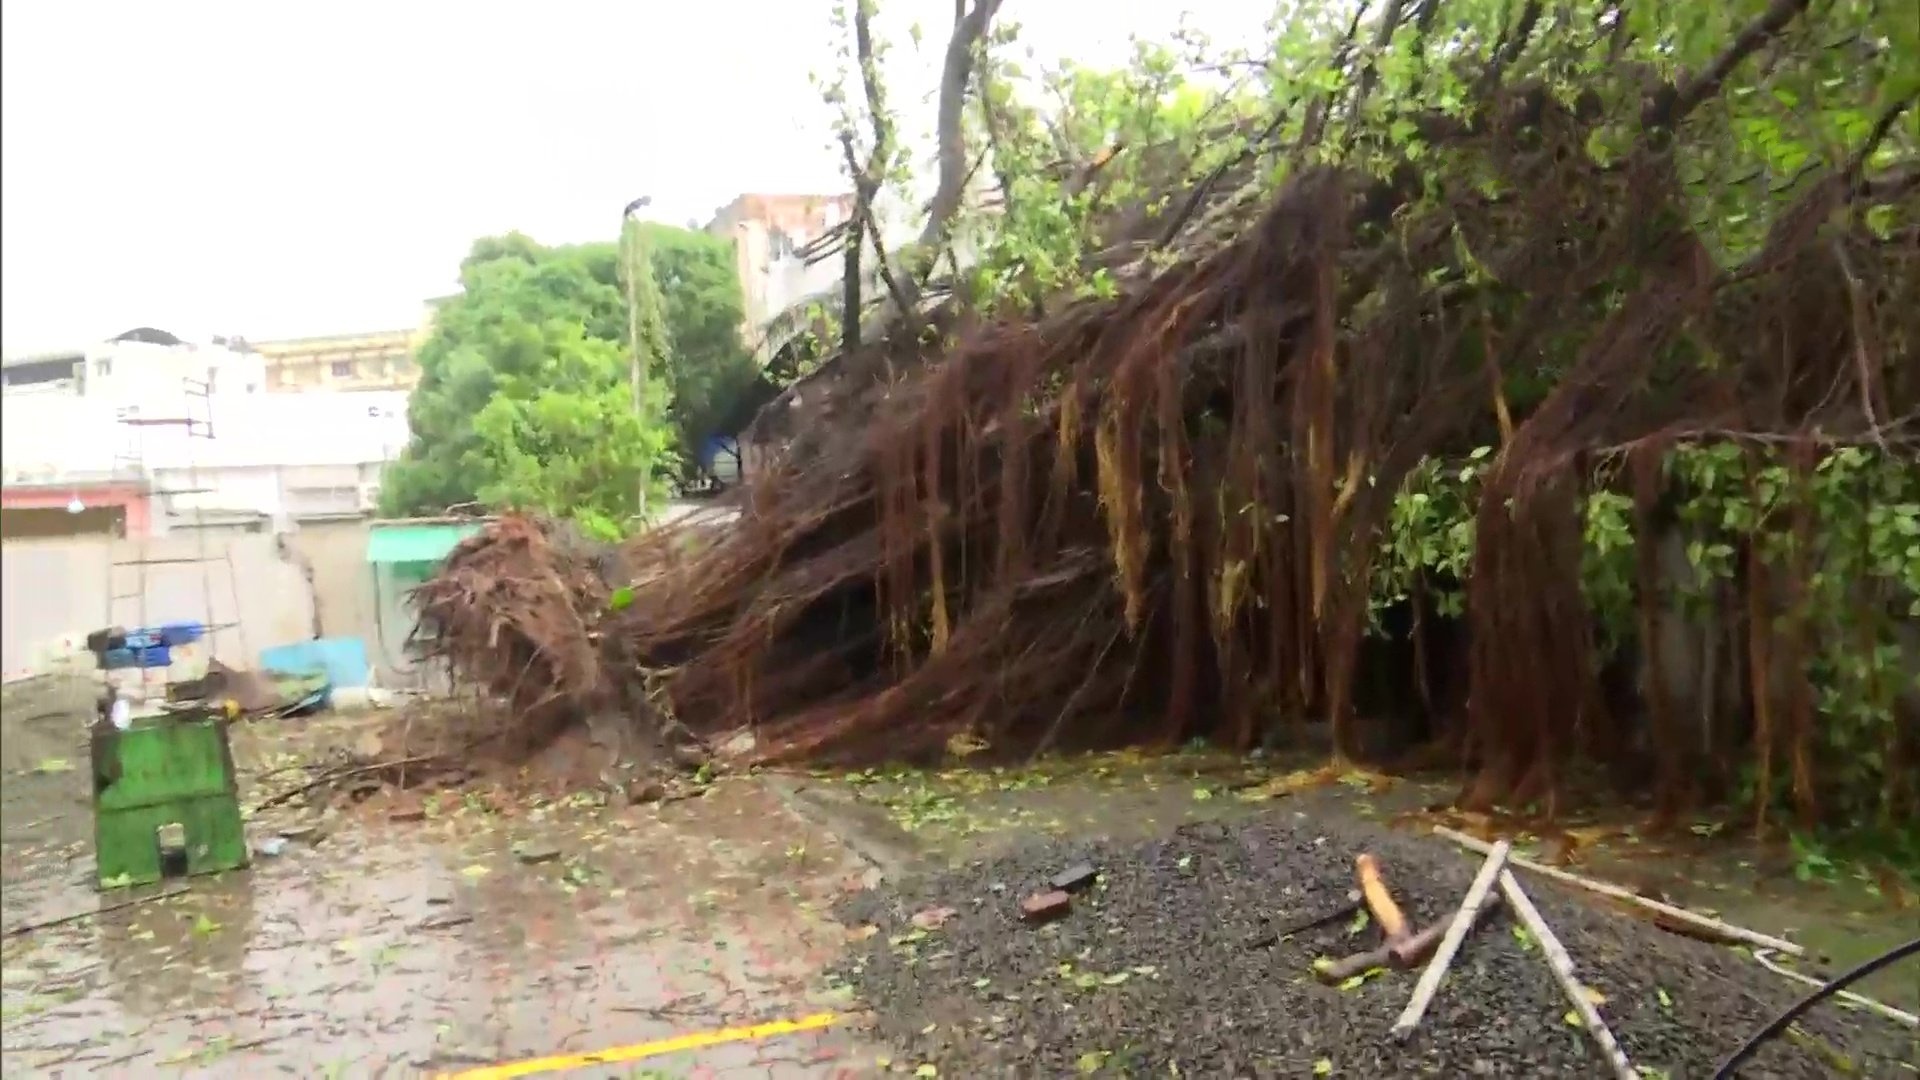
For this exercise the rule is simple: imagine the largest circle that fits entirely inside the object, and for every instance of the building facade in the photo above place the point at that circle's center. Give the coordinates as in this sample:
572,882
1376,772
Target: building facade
141,365
147,434
382,360
770,235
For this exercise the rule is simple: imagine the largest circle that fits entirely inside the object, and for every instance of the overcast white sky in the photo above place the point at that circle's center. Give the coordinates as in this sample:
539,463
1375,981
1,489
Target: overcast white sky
284,169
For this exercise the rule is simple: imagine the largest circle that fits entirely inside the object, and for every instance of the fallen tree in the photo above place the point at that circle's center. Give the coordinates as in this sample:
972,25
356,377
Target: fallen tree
1154,510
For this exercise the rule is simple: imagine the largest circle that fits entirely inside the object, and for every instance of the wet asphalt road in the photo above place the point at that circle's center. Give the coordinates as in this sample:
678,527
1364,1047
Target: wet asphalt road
387,948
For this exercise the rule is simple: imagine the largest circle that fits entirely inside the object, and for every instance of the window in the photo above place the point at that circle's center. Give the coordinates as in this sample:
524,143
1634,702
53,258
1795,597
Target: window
779,244
332,499
103,368
343,369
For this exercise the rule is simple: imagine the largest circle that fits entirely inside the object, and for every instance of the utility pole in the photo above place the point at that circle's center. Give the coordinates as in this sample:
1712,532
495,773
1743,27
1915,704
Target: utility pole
637,372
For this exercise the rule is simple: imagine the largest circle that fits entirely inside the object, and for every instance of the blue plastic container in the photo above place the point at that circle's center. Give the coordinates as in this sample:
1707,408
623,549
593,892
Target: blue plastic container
145,656
177,634
342,660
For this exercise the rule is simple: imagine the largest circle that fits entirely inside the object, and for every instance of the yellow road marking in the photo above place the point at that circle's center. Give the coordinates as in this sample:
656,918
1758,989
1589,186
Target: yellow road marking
637,1051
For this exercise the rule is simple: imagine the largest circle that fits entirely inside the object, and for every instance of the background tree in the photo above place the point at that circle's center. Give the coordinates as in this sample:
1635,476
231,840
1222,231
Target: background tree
524,398
711,367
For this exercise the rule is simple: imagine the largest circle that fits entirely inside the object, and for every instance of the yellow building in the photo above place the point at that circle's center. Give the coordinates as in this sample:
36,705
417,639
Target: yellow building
377,360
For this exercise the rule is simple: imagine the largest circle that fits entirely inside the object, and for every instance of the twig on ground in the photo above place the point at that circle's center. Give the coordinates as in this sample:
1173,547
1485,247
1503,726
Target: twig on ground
1463,921
1725,931
1408,954
1562,966
335,776
1373,886
76,916
1898,1016
1347,907
1335,972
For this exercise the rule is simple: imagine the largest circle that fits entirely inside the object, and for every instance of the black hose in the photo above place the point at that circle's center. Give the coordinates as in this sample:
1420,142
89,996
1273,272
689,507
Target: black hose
1834,986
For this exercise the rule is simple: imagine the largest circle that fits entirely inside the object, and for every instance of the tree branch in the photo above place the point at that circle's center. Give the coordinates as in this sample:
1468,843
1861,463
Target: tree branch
1674,104
968,30
1390,20
864,190
875,91
1316,120
1512,43
1857,164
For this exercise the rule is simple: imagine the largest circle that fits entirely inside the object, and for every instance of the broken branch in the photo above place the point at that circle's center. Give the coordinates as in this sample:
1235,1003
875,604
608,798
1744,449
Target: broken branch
1393,922
1562,966
1463,921
1721,930
76,916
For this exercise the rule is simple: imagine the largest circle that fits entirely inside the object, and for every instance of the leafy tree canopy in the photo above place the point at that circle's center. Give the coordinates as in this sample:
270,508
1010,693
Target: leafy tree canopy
525,397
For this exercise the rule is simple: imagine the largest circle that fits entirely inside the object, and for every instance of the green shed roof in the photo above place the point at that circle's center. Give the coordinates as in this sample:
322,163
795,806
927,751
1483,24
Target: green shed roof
402,543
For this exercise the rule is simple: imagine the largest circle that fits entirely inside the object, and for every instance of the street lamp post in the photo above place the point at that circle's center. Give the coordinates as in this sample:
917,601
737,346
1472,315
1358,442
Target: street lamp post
637,372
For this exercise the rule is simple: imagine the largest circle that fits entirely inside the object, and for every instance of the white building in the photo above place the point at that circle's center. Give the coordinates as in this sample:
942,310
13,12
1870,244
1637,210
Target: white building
140,366
271,458
185,435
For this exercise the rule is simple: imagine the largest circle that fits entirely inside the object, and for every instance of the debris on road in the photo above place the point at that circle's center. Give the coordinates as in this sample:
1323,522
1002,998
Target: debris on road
1463,922
1764,957
445,922
533,852
1340,911
103,909
933,918
1074,878
1154,971
1045,906
1676,919
1380,902
1581,997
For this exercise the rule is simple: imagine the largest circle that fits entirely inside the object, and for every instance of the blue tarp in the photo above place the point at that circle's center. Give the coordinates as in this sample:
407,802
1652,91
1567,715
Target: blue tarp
136,656
342,660
166,635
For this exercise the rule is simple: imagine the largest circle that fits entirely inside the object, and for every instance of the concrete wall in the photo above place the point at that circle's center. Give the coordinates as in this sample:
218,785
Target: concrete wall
278,588
357,599
58,590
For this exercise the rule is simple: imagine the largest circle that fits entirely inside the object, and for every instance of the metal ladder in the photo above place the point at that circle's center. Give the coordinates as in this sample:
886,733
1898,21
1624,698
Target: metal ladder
131,460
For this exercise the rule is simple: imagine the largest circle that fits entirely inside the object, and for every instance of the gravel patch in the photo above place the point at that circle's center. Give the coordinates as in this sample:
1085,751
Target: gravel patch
1156,972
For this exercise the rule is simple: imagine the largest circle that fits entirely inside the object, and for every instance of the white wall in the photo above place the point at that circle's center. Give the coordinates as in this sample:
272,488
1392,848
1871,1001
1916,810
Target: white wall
142,373
57,590
277,455
785,285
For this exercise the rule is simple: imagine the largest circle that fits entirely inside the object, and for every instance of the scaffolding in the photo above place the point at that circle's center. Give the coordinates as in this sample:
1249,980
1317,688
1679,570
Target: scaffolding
131,459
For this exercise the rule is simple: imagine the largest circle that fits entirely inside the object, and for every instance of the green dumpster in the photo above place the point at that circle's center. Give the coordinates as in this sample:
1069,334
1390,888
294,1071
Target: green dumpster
165,801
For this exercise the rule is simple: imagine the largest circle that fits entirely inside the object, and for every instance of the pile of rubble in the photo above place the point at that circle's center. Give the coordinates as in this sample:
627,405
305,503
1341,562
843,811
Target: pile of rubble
1277,948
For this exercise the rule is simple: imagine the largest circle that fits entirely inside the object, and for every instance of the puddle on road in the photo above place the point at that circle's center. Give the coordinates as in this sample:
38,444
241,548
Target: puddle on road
394,949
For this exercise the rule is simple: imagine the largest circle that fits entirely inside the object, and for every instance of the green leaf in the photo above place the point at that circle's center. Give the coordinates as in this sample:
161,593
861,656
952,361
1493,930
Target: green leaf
1356,981
622,598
